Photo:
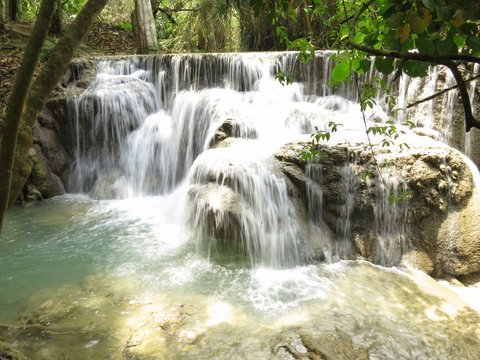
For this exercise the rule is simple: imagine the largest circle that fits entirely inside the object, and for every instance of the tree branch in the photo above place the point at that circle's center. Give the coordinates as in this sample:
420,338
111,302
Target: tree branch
470,120
436,59
440,93
446,60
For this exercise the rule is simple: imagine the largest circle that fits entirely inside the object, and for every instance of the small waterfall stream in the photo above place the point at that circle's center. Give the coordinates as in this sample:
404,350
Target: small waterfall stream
189,238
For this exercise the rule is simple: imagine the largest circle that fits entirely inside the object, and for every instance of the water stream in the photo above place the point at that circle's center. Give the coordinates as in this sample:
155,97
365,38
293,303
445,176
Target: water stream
144,257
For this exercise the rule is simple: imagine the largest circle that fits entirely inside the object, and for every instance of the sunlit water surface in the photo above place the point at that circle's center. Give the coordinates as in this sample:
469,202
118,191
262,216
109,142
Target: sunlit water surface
88,279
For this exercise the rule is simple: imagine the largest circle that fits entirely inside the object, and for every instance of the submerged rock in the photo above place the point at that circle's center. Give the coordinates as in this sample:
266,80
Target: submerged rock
8,352
327,345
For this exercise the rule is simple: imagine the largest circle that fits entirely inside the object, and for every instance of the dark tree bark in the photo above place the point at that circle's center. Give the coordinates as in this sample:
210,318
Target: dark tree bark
56,26
12,10
20,118
16,102
2,19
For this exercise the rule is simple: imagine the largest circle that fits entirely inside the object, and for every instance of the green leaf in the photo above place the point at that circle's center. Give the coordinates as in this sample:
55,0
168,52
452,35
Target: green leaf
341,71
417,24
344,56
384,6
468,29
409,44
359,37
425,45
415,68
361,66
396,20
392,42
447,46
344,32
384,65
473,43
429,4
459,40
409,124
443,13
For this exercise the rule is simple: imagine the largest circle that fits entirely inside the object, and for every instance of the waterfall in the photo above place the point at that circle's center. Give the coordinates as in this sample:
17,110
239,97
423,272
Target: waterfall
248,207
344,225
209,125
390,217
441,118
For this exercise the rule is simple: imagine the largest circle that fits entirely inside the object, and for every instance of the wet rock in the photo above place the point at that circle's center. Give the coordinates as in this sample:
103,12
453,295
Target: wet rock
51,352
327,345
458,242
232,129
46,170
216,211
42,183
104,187
53,151
420,207
247,208
50,312
418,260
330,345
8,352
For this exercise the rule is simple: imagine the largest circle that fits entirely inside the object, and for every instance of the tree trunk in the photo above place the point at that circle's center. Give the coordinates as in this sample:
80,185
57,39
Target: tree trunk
16,102
2,19
144,26
12,10
56,26
38,93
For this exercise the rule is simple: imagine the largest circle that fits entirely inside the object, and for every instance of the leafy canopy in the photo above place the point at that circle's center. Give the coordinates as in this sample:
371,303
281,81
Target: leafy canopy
403,36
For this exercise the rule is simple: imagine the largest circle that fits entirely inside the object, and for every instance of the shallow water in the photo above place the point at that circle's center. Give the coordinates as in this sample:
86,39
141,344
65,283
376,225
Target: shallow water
111,279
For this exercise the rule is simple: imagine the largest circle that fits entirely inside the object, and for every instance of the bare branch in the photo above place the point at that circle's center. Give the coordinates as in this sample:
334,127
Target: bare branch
440,93
470,120
436,59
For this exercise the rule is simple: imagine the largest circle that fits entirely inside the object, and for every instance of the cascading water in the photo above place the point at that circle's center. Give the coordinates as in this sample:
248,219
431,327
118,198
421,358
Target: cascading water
194,240
441,118
390,218
257,218
344,225
169,120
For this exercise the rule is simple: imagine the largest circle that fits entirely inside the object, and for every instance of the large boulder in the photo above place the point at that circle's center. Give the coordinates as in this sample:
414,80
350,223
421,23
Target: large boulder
42,183
46,165
417,203
243,205
217,212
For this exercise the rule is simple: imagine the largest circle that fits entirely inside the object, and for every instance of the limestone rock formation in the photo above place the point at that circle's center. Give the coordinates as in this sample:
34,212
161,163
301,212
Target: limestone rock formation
217,210
417,203
231,129
49,160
